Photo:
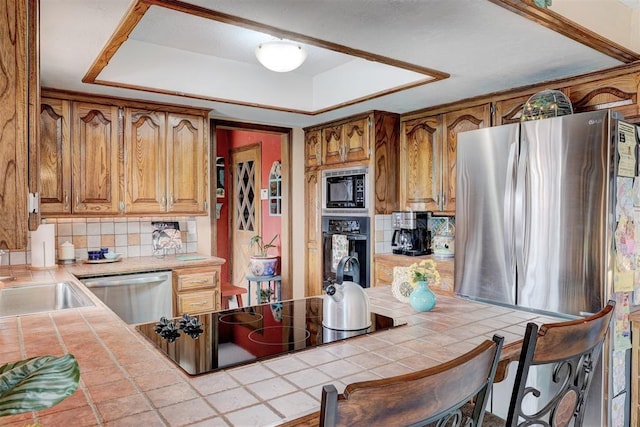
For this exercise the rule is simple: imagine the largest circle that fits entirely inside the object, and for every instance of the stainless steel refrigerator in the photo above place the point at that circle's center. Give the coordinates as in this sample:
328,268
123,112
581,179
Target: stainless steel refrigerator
535,215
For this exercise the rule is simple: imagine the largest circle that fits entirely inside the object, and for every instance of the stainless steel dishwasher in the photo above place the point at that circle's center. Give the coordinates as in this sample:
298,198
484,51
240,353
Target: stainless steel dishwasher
135,298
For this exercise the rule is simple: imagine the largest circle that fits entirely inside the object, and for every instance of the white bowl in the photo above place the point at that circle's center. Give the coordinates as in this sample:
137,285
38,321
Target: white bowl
111,255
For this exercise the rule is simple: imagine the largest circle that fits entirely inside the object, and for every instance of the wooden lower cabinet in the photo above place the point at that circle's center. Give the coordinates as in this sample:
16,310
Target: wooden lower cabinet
383,265
196,290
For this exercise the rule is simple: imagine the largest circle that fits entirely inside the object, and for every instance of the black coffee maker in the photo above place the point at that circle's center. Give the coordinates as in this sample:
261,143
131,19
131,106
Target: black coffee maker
411,233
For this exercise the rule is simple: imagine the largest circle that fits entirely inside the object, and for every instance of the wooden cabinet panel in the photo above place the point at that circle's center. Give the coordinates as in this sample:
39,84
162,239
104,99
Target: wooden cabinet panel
19,71
187,164
510,110
333,150
383,273
454,123
313,148
346,142
95,158
420,157
428,157
313,237
386,153
196,302
55,156
617,93
145,148
356,140
196,289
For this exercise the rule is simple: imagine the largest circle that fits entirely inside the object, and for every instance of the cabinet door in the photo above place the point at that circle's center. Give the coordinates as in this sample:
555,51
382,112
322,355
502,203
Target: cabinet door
510,110
617,93
145,161
313,280
455,122
14,123
312,148
386,150
355,140
383,273
187,159
332,147
420,157
95,158
55,156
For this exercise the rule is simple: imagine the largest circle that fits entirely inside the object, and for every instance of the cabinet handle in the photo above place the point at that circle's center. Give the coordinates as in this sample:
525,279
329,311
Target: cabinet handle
66,199
171,201
199,281
163,202
121,206
77,200
198,303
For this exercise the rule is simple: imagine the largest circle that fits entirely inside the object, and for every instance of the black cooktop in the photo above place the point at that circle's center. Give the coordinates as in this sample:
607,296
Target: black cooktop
211,341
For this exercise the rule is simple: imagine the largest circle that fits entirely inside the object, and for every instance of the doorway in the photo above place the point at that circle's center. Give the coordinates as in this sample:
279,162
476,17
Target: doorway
244,207
230,139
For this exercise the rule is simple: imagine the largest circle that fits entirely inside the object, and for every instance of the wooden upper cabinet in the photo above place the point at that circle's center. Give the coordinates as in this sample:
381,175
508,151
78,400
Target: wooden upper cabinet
55,156
619,93
145,147
95,158
420,163
455,122
312,148
428,157
386,152
332,146
346,142
187,164
510,110
356,139
19,80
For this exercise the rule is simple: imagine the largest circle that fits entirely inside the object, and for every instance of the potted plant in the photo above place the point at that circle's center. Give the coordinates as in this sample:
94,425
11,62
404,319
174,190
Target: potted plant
37,383
261,263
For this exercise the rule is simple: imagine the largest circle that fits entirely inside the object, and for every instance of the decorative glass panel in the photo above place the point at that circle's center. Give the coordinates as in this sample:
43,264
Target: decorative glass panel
275,189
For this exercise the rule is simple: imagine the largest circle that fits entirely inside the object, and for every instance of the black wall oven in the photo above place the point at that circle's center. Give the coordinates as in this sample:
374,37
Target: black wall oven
345,236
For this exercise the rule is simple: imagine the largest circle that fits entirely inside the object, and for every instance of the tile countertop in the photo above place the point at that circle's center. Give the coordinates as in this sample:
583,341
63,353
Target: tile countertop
125,381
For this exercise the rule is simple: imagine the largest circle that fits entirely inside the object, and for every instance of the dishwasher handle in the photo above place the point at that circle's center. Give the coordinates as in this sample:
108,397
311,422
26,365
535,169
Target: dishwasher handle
148,280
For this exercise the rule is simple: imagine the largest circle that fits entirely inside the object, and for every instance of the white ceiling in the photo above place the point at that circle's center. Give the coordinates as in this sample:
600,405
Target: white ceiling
483,47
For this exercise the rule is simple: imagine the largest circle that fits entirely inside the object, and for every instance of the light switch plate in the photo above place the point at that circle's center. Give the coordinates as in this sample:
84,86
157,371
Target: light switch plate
264,193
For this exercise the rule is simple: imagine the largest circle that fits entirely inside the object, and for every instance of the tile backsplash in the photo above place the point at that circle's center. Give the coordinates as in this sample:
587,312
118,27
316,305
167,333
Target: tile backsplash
131,237
384,232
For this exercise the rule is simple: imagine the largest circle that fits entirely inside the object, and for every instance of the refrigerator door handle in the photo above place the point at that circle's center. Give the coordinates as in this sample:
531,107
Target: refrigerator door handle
521,210
509,207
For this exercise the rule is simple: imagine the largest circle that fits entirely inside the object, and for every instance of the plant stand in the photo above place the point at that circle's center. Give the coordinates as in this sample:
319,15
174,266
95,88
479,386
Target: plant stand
272,282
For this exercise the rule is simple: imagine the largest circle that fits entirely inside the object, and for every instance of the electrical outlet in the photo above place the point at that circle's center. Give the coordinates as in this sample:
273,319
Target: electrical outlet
264,193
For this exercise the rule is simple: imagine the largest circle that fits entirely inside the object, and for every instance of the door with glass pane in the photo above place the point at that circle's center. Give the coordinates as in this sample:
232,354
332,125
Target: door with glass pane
245,208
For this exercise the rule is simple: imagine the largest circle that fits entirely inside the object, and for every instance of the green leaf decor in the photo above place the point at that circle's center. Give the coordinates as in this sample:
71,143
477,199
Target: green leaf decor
37,383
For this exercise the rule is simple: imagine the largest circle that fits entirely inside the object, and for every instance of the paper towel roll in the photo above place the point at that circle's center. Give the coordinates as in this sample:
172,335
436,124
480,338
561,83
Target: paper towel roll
43,249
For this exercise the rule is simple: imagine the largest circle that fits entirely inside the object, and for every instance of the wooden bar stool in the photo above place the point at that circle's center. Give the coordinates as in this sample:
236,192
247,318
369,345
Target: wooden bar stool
228,290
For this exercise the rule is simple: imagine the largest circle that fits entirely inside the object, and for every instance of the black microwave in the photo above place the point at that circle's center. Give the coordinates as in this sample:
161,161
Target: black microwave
345,189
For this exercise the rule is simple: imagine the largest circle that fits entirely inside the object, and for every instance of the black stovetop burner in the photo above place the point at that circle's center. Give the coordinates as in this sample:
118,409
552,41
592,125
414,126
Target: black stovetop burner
211,341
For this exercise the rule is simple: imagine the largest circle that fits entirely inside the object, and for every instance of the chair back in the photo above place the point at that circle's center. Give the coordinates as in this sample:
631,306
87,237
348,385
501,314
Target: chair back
571,351
418,398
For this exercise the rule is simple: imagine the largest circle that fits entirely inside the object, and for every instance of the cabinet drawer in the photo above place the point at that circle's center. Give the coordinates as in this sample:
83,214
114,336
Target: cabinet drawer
196,280
195,302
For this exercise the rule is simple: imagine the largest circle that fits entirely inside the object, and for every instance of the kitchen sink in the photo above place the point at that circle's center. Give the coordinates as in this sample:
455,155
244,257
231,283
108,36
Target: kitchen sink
36,298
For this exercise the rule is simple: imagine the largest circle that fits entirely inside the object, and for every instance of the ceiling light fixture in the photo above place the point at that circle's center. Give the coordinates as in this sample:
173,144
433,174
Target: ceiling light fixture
280,56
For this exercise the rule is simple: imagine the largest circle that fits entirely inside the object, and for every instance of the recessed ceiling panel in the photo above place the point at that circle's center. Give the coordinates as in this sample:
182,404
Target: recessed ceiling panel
183,53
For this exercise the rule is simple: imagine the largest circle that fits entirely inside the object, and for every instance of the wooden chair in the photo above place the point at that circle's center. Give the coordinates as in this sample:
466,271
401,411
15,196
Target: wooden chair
418,398
572,350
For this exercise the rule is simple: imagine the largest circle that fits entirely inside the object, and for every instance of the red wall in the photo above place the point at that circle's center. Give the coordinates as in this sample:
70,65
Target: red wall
227,140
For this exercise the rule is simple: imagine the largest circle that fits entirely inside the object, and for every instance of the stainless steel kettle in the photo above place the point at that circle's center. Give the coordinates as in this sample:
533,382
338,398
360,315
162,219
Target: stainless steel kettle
346,306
